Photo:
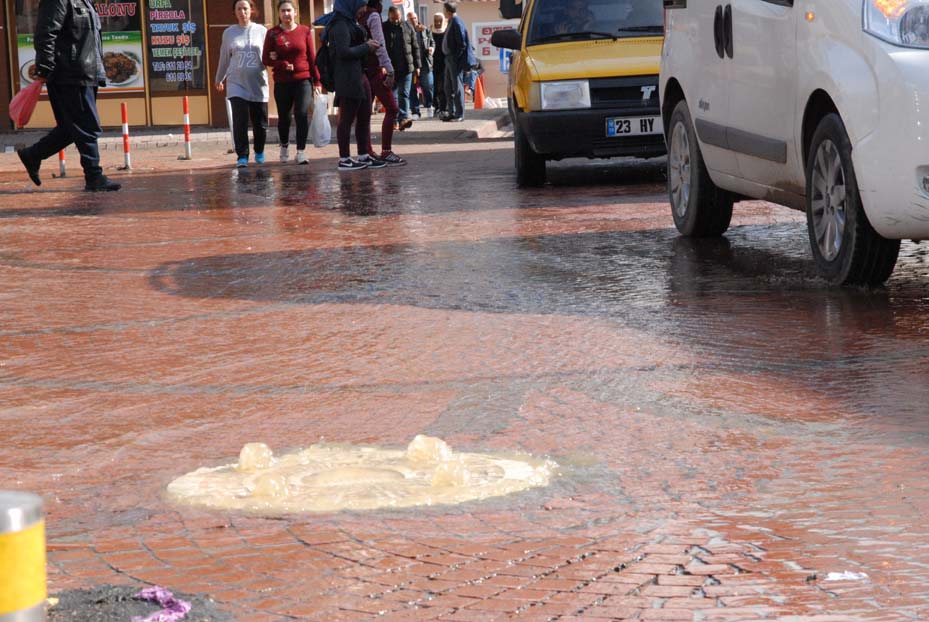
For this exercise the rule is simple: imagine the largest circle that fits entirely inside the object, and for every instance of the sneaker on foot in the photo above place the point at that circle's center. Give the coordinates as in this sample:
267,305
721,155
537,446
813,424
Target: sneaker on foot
101,184
260,158
348,164
241,163
285,155
406,124
32,167
300,158
392,159
372,161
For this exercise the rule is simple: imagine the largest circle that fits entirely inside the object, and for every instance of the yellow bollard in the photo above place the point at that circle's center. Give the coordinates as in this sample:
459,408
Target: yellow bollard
22,558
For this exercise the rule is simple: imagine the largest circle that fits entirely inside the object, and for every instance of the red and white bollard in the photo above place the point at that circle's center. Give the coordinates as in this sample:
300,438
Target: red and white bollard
127,161
187,151
62,172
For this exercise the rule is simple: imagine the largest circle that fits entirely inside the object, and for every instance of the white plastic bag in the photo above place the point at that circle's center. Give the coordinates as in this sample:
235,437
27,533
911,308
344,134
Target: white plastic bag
320,128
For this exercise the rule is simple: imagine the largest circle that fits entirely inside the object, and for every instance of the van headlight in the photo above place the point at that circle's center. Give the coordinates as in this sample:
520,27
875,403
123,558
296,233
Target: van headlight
901,22
564,95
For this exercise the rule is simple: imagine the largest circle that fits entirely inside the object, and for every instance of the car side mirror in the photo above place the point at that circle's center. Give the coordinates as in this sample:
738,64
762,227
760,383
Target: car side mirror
510,10
508,39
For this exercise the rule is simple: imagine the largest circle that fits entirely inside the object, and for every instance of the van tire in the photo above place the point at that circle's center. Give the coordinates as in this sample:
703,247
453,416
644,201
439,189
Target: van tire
846,248
530,166
698,207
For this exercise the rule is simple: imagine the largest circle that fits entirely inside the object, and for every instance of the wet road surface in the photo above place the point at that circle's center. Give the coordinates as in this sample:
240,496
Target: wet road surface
730,430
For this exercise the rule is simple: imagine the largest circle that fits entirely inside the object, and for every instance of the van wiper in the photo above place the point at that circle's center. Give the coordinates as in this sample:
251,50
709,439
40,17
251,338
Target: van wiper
641,29
584,34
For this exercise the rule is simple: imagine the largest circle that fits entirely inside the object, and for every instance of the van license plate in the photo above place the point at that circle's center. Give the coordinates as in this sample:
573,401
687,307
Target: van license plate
633,126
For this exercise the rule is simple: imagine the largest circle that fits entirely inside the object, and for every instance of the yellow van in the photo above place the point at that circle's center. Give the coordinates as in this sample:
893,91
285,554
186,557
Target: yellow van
584,81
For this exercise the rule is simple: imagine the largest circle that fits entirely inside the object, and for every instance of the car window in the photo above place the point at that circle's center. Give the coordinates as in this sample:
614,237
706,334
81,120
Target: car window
572,20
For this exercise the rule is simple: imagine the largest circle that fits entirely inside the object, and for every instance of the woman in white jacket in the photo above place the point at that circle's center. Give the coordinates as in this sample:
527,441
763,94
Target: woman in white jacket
246,81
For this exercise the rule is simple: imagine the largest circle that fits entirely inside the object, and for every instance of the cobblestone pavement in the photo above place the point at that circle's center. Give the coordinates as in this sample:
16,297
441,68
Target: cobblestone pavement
729,431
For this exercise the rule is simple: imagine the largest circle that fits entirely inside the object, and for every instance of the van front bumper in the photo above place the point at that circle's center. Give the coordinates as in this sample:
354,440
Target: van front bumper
582,134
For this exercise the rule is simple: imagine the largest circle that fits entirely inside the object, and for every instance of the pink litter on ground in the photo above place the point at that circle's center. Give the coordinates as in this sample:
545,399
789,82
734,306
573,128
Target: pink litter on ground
173,609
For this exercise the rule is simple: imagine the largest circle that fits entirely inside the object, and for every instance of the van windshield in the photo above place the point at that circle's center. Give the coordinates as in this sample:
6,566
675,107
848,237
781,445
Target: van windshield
576,20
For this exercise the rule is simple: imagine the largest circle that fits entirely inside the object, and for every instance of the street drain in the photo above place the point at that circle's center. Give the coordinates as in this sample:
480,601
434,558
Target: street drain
329,477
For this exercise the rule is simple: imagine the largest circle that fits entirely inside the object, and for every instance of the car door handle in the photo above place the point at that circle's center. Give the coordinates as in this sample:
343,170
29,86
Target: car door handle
727,29
719,33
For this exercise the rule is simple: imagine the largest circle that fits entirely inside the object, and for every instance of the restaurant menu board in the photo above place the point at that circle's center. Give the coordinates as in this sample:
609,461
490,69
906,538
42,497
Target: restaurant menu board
176,44
122,44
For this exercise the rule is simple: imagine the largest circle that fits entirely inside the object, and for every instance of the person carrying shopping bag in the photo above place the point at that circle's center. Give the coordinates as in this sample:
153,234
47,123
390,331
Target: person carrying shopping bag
246,81
290,51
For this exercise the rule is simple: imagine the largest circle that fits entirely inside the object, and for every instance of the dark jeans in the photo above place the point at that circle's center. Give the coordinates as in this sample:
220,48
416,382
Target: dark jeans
296,96
402,94
425,81
242,111
439,100
357,112
454,88
76,121
386,95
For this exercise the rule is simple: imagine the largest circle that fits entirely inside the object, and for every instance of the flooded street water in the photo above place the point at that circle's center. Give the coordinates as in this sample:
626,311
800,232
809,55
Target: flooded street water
728,429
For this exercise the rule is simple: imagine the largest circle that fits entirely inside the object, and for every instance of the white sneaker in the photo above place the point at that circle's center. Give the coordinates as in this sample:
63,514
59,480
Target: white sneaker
284,153
429,114
300,158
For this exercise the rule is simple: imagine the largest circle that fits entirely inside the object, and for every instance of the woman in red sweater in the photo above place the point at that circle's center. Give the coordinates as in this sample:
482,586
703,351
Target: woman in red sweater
290,51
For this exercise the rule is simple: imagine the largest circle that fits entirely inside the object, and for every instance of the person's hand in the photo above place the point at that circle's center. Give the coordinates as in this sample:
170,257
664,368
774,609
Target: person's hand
317,90
372,44
289,66
220,87
272,55
389,81
417,73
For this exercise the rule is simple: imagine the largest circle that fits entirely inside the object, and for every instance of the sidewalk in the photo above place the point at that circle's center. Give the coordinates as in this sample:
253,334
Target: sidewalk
479,124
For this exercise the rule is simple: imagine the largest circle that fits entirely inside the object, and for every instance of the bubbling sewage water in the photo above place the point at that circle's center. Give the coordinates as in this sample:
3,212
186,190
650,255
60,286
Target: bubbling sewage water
332,477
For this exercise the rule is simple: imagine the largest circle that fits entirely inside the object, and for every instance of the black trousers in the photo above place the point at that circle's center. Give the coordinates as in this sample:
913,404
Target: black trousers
76,121
242,111
296,96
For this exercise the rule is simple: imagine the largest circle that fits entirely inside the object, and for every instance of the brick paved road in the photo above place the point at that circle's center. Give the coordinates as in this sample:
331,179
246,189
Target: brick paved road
729,431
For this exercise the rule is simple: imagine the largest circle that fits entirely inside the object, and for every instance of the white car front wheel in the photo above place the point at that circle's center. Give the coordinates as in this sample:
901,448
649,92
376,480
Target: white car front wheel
846,248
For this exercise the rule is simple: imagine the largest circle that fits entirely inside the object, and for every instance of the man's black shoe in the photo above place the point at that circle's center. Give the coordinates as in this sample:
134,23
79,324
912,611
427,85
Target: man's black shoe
32,167
453,119
101,184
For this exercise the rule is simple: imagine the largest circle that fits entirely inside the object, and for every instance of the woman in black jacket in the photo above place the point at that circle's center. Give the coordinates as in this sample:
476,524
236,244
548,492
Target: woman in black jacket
346,44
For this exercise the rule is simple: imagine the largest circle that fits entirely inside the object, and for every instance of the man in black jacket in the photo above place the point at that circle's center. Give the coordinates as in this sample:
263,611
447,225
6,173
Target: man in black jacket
69,59
426,50
403,49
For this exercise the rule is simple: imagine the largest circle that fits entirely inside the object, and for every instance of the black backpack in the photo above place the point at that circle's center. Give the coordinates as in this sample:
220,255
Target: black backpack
324,66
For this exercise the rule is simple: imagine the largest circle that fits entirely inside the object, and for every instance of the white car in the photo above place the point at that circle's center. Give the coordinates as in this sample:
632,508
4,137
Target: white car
819,105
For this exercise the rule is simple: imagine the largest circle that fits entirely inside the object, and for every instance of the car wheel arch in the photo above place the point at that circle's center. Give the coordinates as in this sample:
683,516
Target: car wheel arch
673,93
818,106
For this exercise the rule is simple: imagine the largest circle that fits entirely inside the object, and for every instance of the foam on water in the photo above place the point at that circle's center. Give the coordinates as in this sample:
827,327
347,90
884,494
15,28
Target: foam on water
332,477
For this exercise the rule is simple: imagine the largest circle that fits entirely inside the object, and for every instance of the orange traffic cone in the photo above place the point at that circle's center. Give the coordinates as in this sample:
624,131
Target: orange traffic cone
479,93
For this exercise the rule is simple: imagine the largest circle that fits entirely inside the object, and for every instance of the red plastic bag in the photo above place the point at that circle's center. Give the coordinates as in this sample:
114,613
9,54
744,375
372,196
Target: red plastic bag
23,104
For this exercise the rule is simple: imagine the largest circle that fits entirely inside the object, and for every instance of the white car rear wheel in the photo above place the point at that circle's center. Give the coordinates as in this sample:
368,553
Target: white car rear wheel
698,207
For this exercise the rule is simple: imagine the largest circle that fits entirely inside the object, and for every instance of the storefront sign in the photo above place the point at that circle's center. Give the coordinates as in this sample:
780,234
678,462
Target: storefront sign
480,37
122,44
175,40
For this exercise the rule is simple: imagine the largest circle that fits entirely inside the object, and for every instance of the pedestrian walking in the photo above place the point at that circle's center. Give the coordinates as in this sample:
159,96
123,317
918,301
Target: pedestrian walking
246,81
379,71
348,47
459,58
403,49
440,107
424,84
69,60
290,51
